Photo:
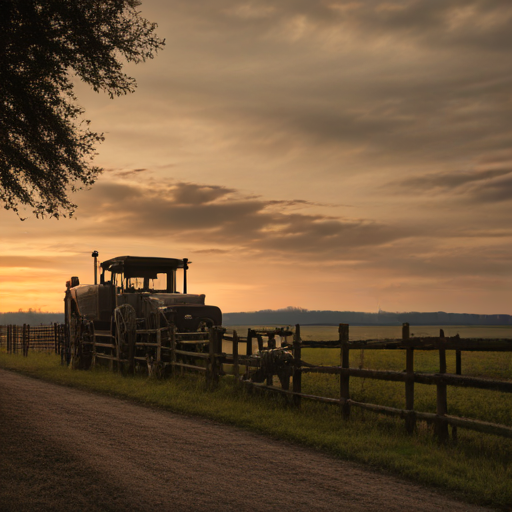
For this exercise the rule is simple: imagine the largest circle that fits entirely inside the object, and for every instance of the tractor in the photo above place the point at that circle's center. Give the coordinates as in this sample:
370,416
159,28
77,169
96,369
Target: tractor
135,319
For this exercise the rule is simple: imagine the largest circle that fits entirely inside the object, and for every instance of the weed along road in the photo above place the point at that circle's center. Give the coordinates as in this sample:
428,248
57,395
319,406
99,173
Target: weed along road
64,449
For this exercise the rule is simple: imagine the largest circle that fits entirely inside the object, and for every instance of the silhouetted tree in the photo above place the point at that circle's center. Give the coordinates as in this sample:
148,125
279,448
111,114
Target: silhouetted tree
46,147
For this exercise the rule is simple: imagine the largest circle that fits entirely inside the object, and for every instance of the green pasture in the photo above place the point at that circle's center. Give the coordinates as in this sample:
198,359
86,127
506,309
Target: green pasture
478,469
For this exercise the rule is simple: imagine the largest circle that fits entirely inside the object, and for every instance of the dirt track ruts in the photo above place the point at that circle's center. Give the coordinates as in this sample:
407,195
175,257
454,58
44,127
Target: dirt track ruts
65,449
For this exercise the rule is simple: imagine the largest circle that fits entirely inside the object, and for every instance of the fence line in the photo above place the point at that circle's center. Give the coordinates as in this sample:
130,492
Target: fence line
40,338
441,419
265,368
177,352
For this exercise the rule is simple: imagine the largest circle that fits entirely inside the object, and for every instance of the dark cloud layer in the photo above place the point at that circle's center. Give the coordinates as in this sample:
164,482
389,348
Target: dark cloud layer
208,214
481,262
190,193
408,81
482,23
219,220
487,186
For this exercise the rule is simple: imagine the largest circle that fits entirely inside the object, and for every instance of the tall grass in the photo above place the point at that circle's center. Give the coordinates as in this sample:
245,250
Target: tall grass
477,469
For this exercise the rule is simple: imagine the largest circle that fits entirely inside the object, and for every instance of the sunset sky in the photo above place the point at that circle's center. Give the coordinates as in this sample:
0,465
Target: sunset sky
341,155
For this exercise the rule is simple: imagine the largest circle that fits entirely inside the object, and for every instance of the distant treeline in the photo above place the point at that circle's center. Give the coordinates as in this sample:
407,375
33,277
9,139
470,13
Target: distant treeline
291,316
31,318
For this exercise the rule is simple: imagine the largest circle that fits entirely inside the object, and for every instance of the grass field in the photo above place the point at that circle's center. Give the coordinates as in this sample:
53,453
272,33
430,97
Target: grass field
478,468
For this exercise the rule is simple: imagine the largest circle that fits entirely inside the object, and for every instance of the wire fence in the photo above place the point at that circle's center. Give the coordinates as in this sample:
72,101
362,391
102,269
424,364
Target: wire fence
25,338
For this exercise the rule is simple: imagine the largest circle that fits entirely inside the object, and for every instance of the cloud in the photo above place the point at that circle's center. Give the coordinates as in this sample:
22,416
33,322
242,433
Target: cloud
212,219
131,172
211,251
409,81
124,172
494,190
453,179
300,204
483,186
421,261
212,214
342,87
190,193
456,20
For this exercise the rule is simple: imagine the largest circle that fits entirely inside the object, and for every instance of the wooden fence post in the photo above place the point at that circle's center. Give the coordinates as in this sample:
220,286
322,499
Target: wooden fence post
270,376
211,357
219,337
173,350
248,351
62,339
458,371
158,345
410,419
343,331
93,358
259,337
297,374
236,370
458,362
63,335
24,340
212,375
28,338
442,400
62,344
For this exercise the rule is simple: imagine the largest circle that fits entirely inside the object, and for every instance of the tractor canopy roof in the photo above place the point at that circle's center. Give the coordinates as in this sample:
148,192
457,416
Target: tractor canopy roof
141,266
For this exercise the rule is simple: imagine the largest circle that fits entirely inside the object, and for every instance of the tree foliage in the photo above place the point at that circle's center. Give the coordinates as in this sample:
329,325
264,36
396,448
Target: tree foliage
46,147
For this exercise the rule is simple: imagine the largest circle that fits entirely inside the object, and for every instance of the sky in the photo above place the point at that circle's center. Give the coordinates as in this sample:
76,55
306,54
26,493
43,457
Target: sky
329,155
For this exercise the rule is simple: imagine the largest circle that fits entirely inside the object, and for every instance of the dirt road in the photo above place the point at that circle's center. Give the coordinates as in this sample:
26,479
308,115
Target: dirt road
63,449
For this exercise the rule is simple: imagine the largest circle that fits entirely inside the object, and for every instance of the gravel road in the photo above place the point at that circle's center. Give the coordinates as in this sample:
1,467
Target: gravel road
64,449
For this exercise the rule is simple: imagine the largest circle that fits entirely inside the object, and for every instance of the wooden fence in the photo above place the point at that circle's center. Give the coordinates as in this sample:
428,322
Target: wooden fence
163,350
22,338
258,370
441,419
